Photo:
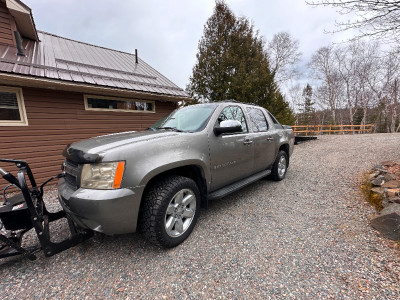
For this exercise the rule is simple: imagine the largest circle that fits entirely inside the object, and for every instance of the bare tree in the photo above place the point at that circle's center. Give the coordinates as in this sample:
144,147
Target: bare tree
284,54
375,18
391,89
324,67
295,95
347,58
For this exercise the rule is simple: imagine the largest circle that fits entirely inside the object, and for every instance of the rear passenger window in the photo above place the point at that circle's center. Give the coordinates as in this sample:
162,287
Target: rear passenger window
277,124
258,121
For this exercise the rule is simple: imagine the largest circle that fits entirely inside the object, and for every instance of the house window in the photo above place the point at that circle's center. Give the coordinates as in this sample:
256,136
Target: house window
118,104
12,107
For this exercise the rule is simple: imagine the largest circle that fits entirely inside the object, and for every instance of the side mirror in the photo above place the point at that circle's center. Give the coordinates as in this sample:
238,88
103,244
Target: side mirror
228,126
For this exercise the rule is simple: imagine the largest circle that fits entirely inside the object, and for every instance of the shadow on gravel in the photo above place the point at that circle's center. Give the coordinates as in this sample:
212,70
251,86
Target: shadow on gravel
128,245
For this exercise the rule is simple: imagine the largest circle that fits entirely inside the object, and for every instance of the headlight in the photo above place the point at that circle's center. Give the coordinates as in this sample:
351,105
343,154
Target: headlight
102,176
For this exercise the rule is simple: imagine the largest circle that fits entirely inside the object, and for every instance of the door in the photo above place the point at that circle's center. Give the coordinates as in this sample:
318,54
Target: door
231,155
264,140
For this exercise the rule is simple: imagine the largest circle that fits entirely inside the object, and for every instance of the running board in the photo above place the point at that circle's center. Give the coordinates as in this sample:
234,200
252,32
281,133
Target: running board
237,185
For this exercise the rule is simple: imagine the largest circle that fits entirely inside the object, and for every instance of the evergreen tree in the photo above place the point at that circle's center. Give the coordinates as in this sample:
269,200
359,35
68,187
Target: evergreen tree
232,64
307,107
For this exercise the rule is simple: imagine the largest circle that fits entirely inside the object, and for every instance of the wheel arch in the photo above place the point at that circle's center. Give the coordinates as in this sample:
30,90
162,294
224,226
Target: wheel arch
285,147
192,171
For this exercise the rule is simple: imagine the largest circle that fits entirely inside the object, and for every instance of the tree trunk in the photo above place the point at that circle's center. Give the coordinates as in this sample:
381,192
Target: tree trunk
394,108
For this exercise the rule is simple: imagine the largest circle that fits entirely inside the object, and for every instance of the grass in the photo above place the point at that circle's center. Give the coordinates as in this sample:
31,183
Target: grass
373,198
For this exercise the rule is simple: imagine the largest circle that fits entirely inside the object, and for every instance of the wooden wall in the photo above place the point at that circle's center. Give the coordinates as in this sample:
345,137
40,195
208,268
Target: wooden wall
58,118
6,25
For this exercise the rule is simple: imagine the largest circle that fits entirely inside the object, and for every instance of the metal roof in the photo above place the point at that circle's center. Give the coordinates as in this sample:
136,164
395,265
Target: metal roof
55,57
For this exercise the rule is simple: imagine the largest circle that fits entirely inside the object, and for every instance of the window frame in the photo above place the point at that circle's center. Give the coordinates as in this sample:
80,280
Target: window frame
21,107
86,97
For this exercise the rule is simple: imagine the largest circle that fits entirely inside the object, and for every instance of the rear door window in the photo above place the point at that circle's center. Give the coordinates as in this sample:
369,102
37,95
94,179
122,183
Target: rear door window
258,121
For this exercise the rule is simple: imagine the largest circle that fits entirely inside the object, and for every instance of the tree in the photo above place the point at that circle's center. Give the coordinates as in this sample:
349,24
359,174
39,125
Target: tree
284,54
375,18
232,64
307,107
325,69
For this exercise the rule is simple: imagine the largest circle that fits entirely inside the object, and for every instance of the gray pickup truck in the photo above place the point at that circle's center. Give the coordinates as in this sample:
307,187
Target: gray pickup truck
155,181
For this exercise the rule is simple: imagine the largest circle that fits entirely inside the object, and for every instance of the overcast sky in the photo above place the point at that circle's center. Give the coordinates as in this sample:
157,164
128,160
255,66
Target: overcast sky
166,32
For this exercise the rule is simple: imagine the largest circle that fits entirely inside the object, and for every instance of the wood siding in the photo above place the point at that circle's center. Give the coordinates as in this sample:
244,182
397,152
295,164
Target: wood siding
58,118
6,22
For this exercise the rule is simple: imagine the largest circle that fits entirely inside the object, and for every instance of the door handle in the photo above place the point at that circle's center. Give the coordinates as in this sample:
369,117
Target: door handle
247,142
269,138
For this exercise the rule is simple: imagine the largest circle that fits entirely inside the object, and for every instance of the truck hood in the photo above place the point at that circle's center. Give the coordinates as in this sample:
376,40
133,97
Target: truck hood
91,150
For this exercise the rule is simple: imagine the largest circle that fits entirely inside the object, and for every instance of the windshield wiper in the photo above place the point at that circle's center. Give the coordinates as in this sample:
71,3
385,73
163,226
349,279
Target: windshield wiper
170,128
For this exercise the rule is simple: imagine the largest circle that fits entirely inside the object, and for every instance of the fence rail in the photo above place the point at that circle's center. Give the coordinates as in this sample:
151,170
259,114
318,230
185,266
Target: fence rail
313,130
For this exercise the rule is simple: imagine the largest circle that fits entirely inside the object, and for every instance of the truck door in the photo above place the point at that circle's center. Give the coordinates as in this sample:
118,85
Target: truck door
231,155
264,139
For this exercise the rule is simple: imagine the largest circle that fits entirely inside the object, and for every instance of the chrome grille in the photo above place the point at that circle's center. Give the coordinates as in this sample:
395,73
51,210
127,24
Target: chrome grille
71,173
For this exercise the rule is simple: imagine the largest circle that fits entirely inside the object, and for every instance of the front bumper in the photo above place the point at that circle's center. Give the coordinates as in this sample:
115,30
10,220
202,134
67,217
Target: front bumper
107,211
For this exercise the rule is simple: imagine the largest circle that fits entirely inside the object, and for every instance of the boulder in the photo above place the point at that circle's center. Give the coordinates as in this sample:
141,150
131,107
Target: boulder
388,222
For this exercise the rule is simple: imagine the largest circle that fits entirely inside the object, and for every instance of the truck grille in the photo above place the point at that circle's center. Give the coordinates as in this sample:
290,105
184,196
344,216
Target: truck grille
71,173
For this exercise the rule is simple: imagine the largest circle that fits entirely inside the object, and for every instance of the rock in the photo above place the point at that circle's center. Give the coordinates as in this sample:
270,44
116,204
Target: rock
388,222
378,181
392,184
392,192
378,190
387,202
377,168
389,177
388,163
394,208
395,200
373,175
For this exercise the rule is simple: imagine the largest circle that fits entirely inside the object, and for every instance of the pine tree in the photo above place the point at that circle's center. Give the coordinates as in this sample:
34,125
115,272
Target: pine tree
307,107
232,64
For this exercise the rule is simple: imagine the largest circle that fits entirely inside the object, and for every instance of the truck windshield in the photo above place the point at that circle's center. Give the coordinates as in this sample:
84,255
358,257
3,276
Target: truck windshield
189,118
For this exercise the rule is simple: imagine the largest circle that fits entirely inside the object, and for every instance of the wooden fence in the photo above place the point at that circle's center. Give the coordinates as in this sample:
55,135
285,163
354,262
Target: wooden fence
314,130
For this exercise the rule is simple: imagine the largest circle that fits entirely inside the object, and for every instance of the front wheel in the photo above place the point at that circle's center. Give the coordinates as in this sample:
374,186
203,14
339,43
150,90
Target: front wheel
279,168
170,211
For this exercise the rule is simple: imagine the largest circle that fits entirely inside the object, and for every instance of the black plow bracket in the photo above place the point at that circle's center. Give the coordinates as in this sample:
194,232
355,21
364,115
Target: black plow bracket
26,210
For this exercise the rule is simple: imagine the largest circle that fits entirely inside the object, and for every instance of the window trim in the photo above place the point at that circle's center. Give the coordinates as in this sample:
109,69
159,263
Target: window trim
118,99
21,107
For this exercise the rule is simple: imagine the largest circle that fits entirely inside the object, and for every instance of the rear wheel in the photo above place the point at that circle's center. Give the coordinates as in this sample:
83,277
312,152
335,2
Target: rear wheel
279,167
170,211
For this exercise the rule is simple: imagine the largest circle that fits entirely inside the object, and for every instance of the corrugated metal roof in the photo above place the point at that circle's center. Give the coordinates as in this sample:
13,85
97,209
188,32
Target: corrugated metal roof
63,59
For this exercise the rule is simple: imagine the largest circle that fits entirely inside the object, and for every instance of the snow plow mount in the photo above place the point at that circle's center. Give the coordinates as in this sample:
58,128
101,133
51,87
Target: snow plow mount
26,210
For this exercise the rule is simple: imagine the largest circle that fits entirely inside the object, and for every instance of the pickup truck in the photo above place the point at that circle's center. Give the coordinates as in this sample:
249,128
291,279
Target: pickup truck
155,181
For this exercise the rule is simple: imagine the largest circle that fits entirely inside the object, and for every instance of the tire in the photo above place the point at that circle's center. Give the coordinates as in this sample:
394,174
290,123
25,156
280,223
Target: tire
169,211
279,168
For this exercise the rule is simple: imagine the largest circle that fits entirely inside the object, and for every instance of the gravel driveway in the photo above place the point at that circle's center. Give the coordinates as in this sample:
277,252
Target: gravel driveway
306,237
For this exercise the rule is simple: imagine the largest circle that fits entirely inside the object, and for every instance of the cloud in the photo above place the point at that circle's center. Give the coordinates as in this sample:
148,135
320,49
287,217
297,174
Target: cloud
166,33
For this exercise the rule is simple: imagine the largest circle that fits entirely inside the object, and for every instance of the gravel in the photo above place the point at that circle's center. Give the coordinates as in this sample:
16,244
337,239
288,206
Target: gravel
306,237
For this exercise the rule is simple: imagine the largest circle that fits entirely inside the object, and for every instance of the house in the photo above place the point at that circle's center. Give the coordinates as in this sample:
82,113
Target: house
54,91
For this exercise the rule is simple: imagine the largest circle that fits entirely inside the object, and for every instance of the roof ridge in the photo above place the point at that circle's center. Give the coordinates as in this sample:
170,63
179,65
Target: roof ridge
55,35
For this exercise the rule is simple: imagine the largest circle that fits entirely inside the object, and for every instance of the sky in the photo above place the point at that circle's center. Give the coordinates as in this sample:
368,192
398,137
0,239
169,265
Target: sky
166,32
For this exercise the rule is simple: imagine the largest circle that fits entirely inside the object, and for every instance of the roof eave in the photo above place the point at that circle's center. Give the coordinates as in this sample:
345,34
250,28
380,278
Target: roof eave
46,83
